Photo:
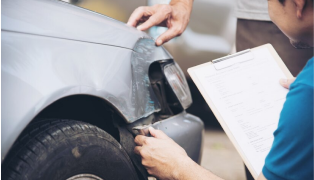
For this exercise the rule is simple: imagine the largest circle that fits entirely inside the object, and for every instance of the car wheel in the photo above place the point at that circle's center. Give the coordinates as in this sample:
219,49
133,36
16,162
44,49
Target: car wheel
67,149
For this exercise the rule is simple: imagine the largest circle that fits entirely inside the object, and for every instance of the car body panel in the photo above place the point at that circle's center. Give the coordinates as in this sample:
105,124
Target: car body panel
55,18
37,71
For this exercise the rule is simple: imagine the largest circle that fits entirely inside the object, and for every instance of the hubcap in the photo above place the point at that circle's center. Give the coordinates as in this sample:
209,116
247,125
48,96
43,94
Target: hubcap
85,177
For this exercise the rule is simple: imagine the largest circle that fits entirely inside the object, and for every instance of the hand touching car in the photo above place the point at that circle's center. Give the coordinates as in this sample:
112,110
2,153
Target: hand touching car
161,156
175,16
165,159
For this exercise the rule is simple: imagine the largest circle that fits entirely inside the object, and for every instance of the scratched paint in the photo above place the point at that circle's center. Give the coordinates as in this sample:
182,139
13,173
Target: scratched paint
143,96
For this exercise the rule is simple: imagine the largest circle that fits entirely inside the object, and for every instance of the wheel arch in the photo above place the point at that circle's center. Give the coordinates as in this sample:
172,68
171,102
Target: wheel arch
86,108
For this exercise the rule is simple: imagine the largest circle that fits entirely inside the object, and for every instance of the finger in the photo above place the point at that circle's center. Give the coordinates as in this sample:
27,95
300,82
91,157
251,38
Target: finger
168,35
154,20
140,150
139,140
137,150
286,82
137,15
157,133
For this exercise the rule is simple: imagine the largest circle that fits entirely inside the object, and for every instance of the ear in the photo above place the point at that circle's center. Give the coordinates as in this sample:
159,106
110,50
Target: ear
300,4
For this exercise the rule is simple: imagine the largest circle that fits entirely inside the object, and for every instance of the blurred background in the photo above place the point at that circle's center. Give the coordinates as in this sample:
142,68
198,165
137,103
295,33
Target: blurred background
209,35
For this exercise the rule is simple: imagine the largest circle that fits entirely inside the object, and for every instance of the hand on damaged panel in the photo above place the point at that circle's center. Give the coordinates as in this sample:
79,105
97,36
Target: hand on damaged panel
175,16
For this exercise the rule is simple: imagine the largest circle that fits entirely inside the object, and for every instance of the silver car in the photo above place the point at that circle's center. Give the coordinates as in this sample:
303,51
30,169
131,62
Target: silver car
77,87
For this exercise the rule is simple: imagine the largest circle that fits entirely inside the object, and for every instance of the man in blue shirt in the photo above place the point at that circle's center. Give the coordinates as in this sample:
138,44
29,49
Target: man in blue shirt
291,155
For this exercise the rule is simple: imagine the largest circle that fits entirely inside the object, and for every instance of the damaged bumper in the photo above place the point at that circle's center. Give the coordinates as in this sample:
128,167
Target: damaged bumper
185,129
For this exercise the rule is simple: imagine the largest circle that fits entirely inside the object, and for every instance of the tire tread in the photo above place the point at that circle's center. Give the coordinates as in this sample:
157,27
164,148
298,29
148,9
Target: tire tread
33,141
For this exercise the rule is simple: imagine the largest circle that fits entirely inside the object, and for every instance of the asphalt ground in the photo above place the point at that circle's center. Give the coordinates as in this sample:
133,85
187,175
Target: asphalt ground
220,156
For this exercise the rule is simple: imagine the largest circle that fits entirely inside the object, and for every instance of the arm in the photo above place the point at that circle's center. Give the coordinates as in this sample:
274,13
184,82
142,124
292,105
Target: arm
165,159
175,16
194,171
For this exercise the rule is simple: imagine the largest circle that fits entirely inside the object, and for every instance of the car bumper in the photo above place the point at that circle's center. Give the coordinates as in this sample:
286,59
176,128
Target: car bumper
187,130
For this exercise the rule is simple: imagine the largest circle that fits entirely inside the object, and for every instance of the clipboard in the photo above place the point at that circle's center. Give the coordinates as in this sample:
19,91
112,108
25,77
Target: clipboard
226,62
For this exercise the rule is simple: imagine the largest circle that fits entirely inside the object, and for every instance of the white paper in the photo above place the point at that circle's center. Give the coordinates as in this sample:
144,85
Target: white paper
249,98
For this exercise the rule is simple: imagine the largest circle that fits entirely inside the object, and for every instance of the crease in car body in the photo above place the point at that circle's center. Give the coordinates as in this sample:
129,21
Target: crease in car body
142,100
143,95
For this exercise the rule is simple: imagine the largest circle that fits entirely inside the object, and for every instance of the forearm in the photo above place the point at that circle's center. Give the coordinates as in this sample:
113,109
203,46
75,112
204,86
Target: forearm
192,171
189,170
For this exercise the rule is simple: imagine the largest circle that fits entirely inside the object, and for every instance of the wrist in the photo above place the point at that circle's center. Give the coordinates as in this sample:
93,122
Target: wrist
186,4
184,166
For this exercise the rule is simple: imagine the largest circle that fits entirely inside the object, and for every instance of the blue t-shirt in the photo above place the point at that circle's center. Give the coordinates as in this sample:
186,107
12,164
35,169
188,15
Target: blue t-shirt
291,155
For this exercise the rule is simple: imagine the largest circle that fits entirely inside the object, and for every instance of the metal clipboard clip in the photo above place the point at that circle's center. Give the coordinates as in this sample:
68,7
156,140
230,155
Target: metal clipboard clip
235,58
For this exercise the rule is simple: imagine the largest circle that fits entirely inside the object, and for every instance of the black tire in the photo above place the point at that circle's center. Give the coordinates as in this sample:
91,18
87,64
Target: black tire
60,149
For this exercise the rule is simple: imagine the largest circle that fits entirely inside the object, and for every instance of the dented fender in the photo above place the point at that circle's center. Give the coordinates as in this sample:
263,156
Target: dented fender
46,56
